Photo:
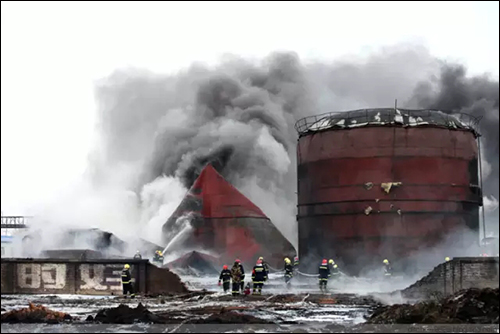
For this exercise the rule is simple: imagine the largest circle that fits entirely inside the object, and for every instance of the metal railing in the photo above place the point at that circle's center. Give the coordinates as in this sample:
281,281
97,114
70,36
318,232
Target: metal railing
15,221
405,117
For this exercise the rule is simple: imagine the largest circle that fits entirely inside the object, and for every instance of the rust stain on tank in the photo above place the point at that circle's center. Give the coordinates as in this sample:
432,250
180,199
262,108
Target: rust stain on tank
416,171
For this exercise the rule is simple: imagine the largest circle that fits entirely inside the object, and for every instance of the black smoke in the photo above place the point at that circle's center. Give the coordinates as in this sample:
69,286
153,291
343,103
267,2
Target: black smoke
453,91
240,116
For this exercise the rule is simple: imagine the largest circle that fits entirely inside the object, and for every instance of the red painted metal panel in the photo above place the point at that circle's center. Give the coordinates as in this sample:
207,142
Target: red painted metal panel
437,168
227,223
416,192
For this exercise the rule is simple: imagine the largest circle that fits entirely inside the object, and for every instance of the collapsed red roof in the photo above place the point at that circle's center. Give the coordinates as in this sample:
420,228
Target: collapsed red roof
220,198
225,221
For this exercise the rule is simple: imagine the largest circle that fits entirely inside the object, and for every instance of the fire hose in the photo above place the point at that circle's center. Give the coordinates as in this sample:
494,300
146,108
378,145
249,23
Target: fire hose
308,275
274,269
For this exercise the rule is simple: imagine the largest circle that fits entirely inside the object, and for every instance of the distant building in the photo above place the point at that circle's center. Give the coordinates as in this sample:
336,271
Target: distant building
7,247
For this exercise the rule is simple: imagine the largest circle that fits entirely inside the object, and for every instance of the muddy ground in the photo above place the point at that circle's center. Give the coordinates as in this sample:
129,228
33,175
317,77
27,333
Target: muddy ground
300,309
216,312
200,306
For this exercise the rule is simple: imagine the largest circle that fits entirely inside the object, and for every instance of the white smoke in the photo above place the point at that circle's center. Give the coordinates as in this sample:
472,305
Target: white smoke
156,132
490,204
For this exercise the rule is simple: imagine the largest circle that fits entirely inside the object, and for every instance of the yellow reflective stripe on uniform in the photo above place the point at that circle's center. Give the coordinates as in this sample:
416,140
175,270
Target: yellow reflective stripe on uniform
323,279
127,282
257,282
323,267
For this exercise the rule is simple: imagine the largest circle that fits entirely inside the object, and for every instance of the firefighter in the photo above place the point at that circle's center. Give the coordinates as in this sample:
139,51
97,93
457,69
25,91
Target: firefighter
225,277
324,274
331,263
236,277
288,271
158,256
296,263
387,269
259,276
137,256
265,265
242,285
335,271
127,282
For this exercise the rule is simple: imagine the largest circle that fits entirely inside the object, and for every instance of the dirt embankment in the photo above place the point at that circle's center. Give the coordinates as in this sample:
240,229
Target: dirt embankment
473,306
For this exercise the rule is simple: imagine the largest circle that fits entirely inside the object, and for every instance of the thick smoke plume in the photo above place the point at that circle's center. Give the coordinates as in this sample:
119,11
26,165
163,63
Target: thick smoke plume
454,91
156,132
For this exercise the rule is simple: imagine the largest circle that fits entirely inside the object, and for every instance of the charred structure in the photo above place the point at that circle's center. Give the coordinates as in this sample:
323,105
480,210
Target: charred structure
215,217
384,183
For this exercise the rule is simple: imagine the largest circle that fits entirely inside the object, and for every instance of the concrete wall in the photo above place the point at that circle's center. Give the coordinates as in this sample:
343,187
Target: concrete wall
455,275
98,277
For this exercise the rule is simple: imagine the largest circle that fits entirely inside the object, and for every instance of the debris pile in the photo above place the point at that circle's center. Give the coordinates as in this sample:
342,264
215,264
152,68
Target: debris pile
34,314
473,306
125,315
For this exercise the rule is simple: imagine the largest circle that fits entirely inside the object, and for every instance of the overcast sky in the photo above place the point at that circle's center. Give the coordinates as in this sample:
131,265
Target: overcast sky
52,53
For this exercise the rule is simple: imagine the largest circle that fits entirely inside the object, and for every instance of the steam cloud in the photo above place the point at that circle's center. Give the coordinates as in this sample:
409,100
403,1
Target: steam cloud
157,131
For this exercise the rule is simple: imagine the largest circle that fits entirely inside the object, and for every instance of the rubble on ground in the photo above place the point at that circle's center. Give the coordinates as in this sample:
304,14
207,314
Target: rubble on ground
124,314
225,316
34,314
472,306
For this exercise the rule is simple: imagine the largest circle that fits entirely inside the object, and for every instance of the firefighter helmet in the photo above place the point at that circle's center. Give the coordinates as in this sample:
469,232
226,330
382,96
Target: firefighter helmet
127,266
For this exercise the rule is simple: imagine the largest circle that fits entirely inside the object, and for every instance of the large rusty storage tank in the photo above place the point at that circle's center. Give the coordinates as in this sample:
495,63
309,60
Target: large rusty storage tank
384,183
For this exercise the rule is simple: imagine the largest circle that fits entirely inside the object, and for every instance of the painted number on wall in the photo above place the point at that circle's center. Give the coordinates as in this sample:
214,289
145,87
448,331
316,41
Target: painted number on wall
46,276
100,277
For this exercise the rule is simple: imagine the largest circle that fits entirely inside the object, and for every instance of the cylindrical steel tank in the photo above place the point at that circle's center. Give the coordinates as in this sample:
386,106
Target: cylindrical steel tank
384,183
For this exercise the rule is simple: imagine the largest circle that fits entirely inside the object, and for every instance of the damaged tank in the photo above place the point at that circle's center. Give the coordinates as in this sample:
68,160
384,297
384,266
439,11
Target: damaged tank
384,183
214,217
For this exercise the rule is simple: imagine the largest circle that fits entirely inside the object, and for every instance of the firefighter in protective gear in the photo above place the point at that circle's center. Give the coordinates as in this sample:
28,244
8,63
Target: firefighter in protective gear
296,264
137,256
331,263
225,278
335,271
324,275
242,285
127,282
236,277
265,265
158,256
387,269
259,276
288,271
